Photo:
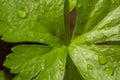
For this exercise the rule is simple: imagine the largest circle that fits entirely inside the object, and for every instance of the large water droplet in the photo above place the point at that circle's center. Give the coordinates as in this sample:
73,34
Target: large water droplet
102,59
79,5
89,67
2,0
113,1
22,14
62,68
109,70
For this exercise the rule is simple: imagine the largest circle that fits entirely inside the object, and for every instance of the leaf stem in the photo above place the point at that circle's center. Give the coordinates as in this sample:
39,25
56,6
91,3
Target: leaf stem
67,22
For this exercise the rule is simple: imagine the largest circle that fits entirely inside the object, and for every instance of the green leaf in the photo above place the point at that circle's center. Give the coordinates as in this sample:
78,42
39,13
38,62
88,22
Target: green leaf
37,62
36,21
40,21
90,13
97,62
2,75
72,4
47,21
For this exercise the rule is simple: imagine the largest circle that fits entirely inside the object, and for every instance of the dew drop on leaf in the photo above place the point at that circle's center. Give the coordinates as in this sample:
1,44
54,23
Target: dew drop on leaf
2,0
62,68
89,67
22,14
102,59
109,70
42,67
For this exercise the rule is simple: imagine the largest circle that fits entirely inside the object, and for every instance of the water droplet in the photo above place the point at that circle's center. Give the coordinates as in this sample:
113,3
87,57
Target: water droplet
113,1
42,40
84,53
74,1
22,14
109,70
102,59
89,66
62,68
2,0
79,5
42,67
